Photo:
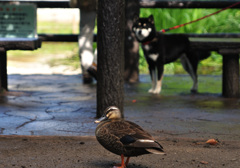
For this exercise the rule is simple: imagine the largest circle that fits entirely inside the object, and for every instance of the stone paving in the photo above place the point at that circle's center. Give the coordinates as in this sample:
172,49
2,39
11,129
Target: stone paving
62,105
47,105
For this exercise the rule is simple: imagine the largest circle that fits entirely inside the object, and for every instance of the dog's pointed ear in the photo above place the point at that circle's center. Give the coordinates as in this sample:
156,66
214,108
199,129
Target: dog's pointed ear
151,19
135,18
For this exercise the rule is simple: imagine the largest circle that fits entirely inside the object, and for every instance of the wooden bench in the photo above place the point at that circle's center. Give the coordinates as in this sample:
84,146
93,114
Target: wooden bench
229,47
17,32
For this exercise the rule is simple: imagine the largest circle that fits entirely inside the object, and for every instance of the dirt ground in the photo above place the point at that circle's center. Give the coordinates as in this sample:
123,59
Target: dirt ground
86,152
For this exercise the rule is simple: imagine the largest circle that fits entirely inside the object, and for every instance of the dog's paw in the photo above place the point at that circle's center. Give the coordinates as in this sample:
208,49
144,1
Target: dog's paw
156,91
150,90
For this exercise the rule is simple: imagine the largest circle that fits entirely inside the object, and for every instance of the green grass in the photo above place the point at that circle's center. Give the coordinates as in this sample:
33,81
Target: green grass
182,84
56,28
70,50
224,22
67,50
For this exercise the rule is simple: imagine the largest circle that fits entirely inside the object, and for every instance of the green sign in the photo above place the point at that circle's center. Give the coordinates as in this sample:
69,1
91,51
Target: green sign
17,21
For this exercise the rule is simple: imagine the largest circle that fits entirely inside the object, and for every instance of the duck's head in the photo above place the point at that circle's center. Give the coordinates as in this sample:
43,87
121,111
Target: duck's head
110,113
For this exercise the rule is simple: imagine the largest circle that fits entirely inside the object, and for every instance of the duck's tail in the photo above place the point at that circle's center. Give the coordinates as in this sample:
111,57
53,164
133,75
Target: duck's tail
156,150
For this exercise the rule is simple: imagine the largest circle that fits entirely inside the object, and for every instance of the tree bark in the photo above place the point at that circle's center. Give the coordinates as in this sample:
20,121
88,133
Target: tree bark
110,40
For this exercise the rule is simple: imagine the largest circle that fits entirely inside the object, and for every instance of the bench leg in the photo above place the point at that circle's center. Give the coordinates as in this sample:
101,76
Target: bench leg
3,69
230,76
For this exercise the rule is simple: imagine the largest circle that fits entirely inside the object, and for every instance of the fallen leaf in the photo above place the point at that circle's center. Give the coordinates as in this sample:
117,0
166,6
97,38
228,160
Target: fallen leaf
134,100
212,142
204,162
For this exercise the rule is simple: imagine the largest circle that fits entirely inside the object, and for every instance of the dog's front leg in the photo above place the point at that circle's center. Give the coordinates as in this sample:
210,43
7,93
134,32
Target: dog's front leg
158,87
153,78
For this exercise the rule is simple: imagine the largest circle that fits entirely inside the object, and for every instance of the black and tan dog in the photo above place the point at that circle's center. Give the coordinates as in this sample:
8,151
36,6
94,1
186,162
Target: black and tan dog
160,49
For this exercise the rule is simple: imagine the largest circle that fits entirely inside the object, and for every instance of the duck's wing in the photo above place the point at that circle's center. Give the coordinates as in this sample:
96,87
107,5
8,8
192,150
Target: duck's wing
140,133
139,138
127,134
124,128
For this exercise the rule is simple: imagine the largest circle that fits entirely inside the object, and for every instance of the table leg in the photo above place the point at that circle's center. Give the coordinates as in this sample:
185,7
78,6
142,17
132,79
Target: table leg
3,69
230,76
131,71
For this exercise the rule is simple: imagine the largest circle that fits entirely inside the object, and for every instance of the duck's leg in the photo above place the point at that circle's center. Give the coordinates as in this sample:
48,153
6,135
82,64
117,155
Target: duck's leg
122,165
127,161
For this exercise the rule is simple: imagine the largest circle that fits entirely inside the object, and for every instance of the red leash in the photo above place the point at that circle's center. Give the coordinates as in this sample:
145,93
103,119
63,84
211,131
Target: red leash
181,25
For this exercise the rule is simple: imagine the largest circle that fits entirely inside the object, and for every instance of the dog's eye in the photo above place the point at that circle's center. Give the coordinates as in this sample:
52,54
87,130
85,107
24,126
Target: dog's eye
144,24
139,24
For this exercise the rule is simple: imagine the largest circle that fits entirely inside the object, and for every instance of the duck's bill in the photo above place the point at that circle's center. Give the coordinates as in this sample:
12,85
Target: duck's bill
101,119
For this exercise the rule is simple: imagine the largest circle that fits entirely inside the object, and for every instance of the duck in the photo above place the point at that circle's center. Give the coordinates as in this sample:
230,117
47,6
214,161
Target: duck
124,138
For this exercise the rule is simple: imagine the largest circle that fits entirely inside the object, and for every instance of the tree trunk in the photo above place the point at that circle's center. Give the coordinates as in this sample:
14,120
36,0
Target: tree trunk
131,73
110,40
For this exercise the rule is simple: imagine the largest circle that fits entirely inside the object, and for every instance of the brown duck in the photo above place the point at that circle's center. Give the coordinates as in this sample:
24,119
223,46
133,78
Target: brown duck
124,138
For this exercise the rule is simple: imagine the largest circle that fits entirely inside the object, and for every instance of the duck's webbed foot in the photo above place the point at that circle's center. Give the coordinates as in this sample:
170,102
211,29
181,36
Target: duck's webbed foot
122,164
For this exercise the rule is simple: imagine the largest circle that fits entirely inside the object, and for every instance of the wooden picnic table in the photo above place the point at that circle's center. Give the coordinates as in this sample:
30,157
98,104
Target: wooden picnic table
17,32
229,48
13,44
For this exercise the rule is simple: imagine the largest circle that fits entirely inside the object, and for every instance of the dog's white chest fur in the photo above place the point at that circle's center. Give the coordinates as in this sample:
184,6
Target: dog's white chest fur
146,47
153,57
